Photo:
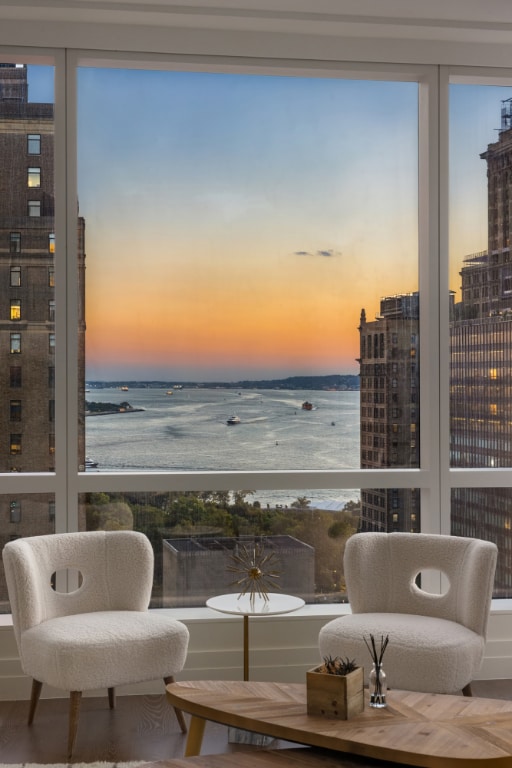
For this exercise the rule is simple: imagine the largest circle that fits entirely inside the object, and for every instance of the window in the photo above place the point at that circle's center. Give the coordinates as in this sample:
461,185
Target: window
207,165
51,410
15,410
15,242
15,444
15,376
34,208
34,177
15,309
15,343
15,277
33,144
15,512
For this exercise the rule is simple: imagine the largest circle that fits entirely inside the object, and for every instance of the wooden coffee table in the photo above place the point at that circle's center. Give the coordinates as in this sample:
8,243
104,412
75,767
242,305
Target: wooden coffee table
422,729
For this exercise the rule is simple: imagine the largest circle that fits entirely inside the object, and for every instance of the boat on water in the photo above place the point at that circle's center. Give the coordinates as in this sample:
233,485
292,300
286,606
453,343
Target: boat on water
124,389
307,406
233,420
169,392
90,463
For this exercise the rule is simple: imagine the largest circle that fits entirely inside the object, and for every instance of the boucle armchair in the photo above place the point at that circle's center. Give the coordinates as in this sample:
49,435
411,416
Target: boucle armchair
99,636
436,641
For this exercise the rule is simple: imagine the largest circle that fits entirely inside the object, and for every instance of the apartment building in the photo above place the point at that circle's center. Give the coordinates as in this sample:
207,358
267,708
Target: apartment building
389,413
27,302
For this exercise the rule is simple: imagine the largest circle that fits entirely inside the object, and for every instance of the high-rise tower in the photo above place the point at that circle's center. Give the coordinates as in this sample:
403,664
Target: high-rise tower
27,301
389,410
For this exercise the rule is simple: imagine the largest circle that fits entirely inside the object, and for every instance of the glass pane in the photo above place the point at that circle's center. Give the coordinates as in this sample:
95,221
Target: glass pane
26,113
481,275
481,311
195,535
23,515
236,224
486,513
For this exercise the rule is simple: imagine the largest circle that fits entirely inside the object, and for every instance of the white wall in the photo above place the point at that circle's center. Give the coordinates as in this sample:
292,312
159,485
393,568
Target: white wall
282,648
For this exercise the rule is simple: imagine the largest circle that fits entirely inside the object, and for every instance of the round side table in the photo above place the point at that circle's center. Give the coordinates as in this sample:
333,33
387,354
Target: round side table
246,606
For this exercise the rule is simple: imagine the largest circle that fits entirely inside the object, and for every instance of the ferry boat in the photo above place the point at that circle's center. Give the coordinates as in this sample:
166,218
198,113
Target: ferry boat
307,406
233,420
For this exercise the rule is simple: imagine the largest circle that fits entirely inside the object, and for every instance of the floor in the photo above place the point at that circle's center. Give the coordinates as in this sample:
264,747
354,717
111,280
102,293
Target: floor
140,728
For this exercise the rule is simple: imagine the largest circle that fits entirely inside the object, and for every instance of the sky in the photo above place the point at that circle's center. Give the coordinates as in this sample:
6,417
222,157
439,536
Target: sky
236,225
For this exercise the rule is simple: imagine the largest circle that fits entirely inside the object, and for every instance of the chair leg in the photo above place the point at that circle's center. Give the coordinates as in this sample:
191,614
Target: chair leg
34,698
112,698
74,713
466,691
179,713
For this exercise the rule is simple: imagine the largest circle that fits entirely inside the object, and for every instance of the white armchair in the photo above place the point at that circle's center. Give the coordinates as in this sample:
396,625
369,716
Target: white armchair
436,642
99,636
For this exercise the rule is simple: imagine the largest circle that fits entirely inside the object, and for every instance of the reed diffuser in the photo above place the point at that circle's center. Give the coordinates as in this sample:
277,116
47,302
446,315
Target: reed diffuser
377,677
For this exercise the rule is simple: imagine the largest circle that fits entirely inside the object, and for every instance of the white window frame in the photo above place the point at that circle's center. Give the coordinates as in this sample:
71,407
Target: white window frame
434,479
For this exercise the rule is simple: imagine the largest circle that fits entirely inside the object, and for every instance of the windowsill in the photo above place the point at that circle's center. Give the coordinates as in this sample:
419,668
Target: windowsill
316,610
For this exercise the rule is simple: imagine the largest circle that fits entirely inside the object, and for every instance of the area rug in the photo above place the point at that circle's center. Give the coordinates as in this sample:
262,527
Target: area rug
132,764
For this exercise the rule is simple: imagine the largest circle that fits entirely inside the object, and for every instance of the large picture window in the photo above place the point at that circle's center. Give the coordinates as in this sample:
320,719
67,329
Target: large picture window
241,337
236,346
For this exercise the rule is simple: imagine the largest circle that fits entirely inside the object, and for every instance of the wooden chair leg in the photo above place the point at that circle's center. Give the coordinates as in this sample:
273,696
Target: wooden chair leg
466,691
112,698
34,698
179,714
74,713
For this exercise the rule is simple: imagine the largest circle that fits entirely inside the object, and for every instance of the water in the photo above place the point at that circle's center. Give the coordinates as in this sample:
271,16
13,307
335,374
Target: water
187,431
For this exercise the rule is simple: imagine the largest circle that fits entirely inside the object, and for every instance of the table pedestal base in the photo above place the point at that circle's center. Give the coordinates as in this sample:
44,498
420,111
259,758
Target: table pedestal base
238,736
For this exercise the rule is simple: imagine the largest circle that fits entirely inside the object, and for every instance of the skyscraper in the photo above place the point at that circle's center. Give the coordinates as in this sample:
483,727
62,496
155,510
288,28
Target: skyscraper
481,366
27,300
389,410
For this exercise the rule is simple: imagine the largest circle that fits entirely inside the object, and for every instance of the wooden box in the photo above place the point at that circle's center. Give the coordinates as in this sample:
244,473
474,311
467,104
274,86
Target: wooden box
338,696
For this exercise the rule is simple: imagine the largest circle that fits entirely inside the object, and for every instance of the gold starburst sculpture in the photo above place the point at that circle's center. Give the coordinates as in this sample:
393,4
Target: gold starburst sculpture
255,569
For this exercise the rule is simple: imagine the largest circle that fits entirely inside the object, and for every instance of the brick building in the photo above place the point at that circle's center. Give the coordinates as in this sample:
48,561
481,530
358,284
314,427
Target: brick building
27,301
389,410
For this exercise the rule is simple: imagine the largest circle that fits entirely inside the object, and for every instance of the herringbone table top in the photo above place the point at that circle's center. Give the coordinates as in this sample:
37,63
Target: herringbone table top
422,729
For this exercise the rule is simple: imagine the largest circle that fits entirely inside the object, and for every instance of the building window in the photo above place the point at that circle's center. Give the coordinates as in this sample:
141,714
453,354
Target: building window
51,277
15,376
51,376
34,208
34,178
15,444
15,277
15,343
15,309
51,444
34,144
51,410
51,310
51,511
51,243
51,342
15,410
15,512
15,242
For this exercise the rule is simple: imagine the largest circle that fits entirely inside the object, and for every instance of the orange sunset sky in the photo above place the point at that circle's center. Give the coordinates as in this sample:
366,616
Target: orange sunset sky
237,224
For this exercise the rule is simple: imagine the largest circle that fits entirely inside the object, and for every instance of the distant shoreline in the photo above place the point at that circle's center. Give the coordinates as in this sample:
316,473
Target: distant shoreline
329,383
107,409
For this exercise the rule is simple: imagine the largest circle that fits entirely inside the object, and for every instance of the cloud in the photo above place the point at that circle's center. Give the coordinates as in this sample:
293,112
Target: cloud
326,253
